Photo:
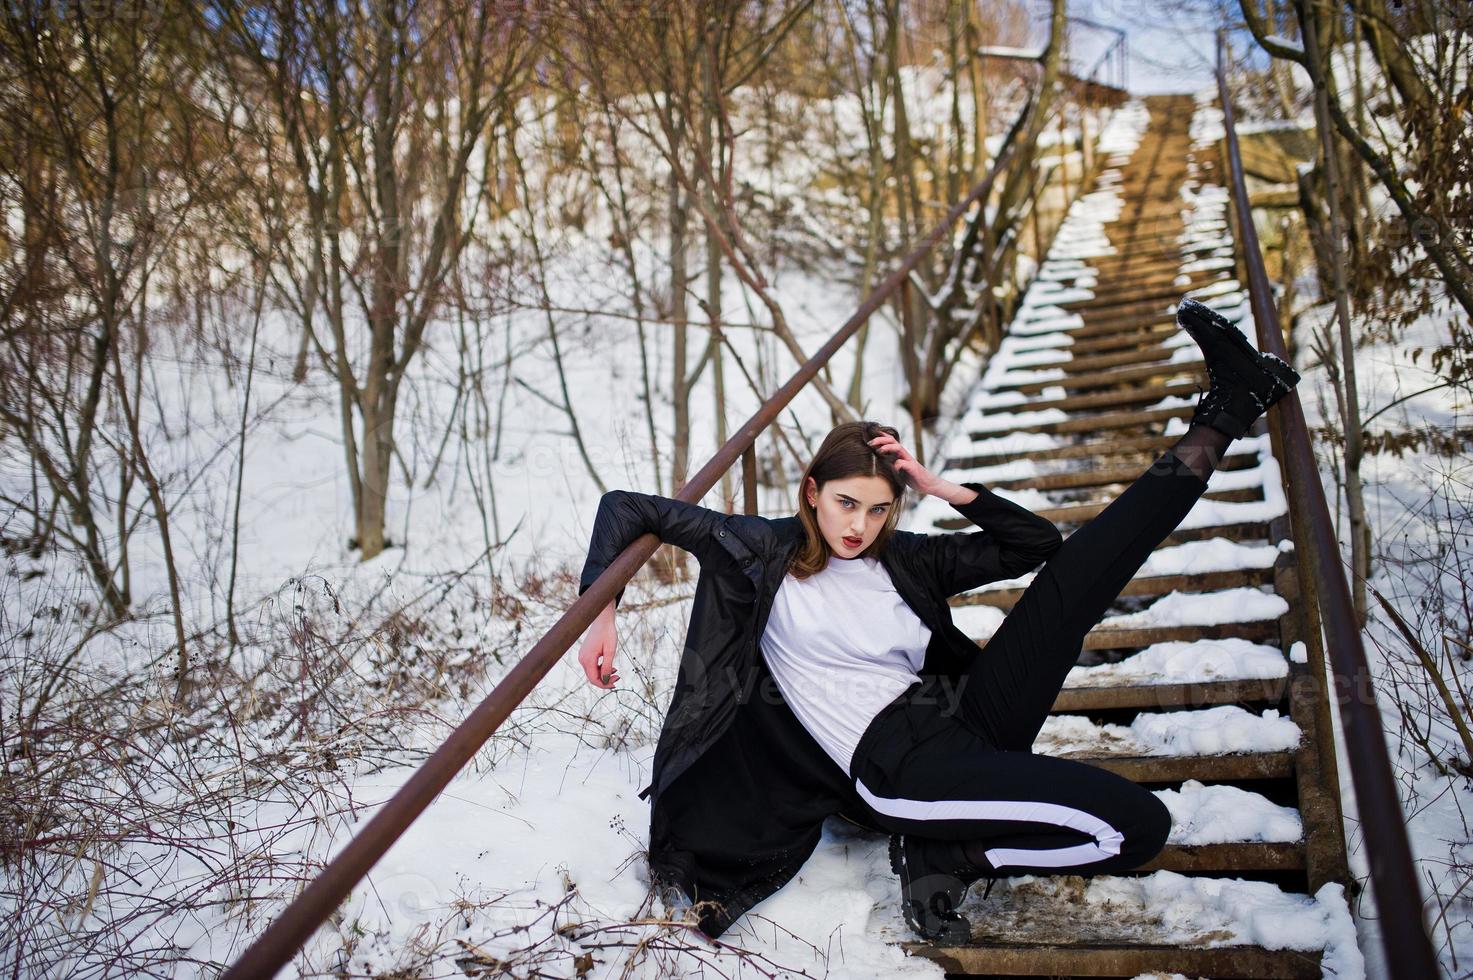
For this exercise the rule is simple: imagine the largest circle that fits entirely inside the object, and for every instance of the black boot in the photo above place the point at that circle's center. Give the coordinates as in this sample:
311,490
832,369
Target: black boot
1245,381
933,883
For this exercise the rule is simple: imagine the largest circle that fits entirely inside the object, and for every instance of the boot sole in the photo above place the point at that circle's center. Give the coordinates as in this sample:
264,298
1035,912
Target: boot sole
1194,317
950,932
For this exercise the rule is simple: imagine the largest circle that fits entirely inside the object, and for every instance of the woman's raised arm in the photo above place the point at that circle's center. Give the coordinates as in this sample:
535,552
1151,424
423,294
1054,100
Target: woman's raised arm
1013,540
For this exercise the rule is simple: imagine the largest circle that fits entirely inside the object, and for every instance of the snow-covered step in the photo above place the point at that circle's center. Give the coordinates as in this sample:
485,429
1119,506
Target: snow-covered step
1065,360
1147,301
1196,558
1187,694
1057,422
1101,476
1250,527
1078,381
1114,638
1141,585
1079,513
1122,261
1129,334
1135,287
1132,637
1226,729
1216,828
1084,325
1095,401
979,454
1179,673
1130,953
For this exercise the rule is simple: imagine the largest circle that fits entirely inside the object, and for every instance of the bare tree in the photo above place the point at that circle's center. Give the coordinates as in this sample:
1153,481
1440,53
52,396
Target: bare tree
682,63
1424,172
377,118
107,167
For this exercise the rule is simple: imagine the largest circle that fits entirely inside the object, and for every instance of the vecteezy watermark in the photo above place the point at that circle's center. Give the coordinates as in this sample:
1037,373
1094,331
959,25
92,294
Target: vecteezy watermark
841,688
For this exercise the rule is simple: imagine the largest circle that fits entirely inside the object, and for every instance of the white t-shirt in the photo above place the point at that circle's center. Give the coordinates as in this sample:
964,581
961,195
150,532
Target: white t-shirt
841,644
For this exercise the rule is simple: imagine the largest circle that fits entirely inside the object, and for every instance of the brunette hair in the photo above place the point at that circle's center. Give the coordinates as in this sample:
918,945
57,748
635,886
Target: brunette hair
845,452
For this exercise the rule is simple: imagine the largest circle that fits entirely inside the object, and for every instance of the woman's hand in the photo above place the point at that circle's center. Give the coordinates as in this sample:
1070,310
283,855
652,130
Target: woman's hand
916,476
597,653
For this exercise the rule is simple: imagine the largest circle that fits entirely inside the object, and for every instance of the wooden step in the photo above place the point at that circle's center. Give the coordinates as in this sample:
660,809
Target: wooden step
1162,237
1121,338
1121,638
1243,532
1146,233
1126,960
1129,264
1154,417
1078,700
1150,302
1162,323
1237,856
1100,476
1241,766
1108,379
1118,288
1146,251
1099,268
1100,362
1106,638
1079,513
1096,449
1116,338
1143,585
1139,208
1138,395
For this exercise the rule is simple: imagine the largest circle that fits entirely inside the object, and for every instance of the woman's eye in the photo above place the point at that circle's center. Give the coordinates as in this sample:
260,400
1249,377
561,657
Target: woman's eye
845,504
879,510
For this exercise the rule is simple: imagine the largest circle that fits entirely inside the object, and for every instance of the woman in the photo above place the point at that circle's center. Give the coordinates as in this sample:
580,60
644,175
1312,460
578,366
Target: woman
822,673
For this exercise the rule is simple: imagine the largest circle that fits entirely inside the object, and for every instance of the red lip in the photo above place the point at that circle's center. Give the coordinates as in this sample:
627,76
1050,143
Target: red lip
854,542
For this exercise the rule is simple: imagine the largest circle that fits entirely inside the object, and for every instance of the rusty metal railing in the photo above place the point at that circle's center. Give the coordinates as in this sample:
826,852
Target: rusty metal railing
292,928
1404,933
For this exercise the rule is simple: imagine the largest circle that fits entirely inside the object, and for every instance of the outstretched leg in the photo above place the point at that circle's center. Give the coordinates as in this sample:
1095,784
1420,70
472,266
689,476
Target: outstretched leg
1014,679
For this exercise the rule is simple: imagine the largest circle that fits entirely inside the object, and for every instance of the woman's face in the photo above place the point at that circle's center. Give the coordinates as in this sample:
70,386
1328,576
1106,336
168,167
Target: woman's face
851,511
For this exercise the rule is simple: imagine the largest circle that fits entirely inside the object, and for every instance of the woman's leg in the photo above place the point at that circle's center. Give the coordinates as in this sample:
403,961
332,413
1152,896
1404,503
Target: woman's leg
1019,813
1015,677
963,810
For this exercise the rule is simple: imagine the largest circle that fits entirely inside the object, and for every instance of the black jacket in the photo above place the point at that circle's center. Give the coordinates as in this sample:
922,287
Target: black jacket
737,826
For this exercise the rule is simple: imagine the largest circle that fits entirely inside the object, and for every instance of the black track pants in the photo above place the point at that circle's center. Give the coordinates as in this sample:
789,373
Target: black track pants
956,763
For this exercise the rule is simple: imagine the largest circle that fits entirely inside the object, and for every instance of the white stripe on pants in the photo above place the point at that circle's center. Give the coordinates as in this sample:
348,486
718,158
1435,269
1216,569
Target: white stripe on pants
1107,840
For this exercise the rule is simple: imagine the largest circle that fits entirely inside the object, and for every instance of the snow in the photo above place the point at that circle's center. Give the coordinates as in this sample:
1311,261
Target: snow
1185,662
1222,730
1167,908
1203,814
